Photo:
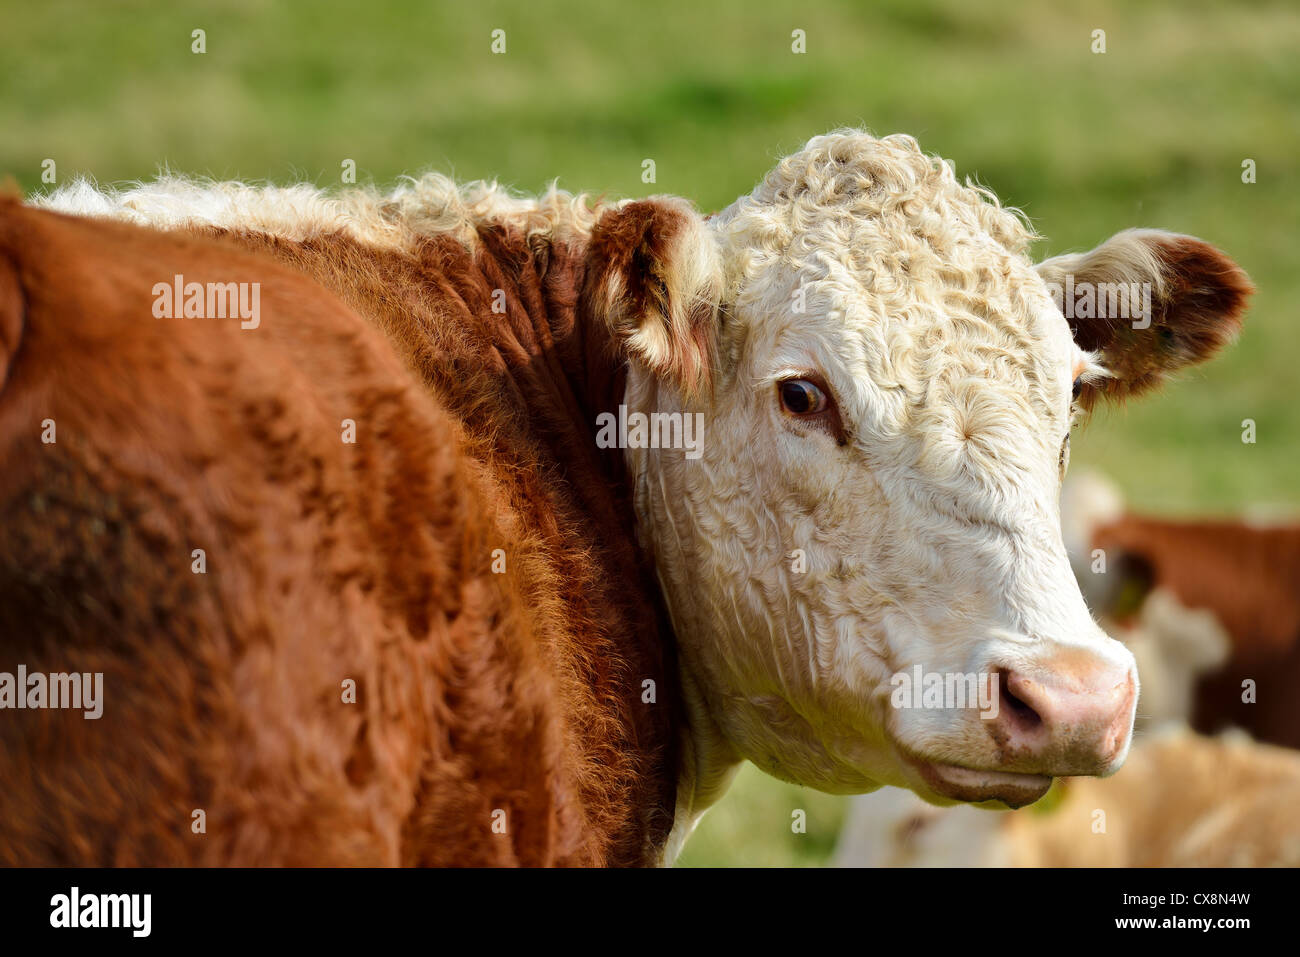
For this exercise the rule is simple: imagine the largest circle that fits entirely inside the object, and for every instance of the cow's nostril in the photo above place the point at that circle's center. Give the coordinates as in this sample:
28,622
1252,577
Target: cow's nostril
1020,711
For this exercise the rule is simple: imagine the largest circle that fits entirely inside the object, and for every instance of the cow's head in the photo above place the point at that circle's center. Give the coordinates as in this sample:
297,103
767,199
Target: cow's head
887,385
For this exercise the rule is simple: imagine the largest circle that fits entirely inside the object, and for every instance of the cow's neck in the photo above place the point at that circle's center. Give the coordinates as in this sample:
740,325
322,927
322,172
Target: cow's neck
595,374
707,763
707,766
546,364
592,371
498,331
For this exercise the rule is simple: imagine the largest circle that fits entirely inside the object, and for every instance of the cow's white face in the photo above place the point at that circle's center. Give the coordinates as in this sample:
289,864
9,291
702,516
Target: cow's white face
877,487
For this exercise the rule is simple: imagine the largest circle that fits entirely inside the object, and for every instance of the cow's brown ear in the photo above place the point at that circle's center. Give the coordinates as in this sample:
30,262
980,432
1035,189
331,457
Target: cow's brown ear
1150,302
654,275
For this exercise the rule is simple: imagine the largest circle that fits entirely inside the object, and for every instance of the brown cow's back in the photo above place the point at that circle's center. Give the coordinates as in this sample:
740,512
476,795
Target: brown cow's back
327,562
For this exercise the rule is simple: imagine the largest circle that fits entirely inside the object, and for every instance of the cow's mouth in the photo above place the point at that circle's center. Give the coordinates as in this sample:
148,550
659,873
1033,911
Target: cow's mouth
978,786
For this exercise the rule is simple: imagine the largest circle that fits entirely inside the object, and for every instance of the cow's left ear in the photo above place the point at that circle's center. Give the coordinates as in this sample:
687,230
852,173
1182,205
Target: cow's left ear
654,274
1150,302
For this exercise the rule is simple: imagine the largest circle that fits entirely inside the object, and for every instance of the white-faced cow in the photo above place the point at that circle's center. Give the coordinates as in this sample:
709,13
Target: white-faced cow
634,495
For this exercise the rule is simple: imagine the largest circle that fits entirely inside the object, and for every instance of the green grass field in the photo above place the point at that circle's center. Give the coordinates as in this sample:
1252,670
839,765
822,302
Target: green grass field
1152,132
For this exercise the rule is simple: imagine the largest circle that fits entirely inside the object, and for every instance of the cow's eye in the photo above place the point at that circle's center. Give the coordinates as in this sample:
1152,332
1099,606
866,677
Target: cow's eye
1078,386
802,397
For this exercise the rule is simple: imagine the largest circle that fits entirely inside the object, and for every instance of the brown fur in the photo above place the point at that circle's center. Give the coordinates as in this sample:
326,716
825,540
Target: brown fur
1249,578
325,561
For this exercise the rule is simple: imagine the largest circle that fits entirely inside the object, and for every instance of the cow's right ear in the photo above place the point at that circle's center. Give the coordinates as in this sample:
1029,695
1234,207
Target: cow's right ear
655,275
1180,300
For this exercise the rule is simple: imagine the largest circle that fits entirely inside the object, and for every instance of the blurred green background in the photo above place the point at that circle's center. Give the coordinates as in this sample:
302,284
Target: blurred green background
1153,132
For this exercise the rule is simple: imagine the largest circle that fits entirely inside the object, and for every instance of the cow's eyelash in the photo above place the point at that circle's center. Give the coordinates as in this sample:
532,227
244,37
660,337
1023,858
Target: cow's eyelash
1077,414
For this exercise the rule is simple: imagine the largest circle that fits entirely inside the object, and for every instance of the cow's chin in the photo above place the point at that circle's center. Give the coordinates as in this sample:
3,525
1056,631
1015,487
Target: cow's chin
951,782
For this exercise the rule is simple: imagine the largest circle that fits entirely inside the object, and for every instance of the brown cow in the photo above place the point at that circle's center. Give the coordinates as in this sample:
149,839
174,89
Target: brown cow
365,507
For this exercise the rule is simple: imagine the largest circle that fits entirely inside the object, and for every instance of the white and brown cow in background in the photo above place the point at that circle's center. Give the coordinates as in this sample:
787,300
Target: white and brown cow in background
887,387
1182,800
1210,607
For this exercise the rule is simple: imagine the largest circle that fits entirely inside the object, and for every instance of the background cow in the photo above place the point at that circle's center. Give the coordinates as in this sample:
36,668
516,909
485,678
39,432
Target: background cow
1174,583
886,384
1182,800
